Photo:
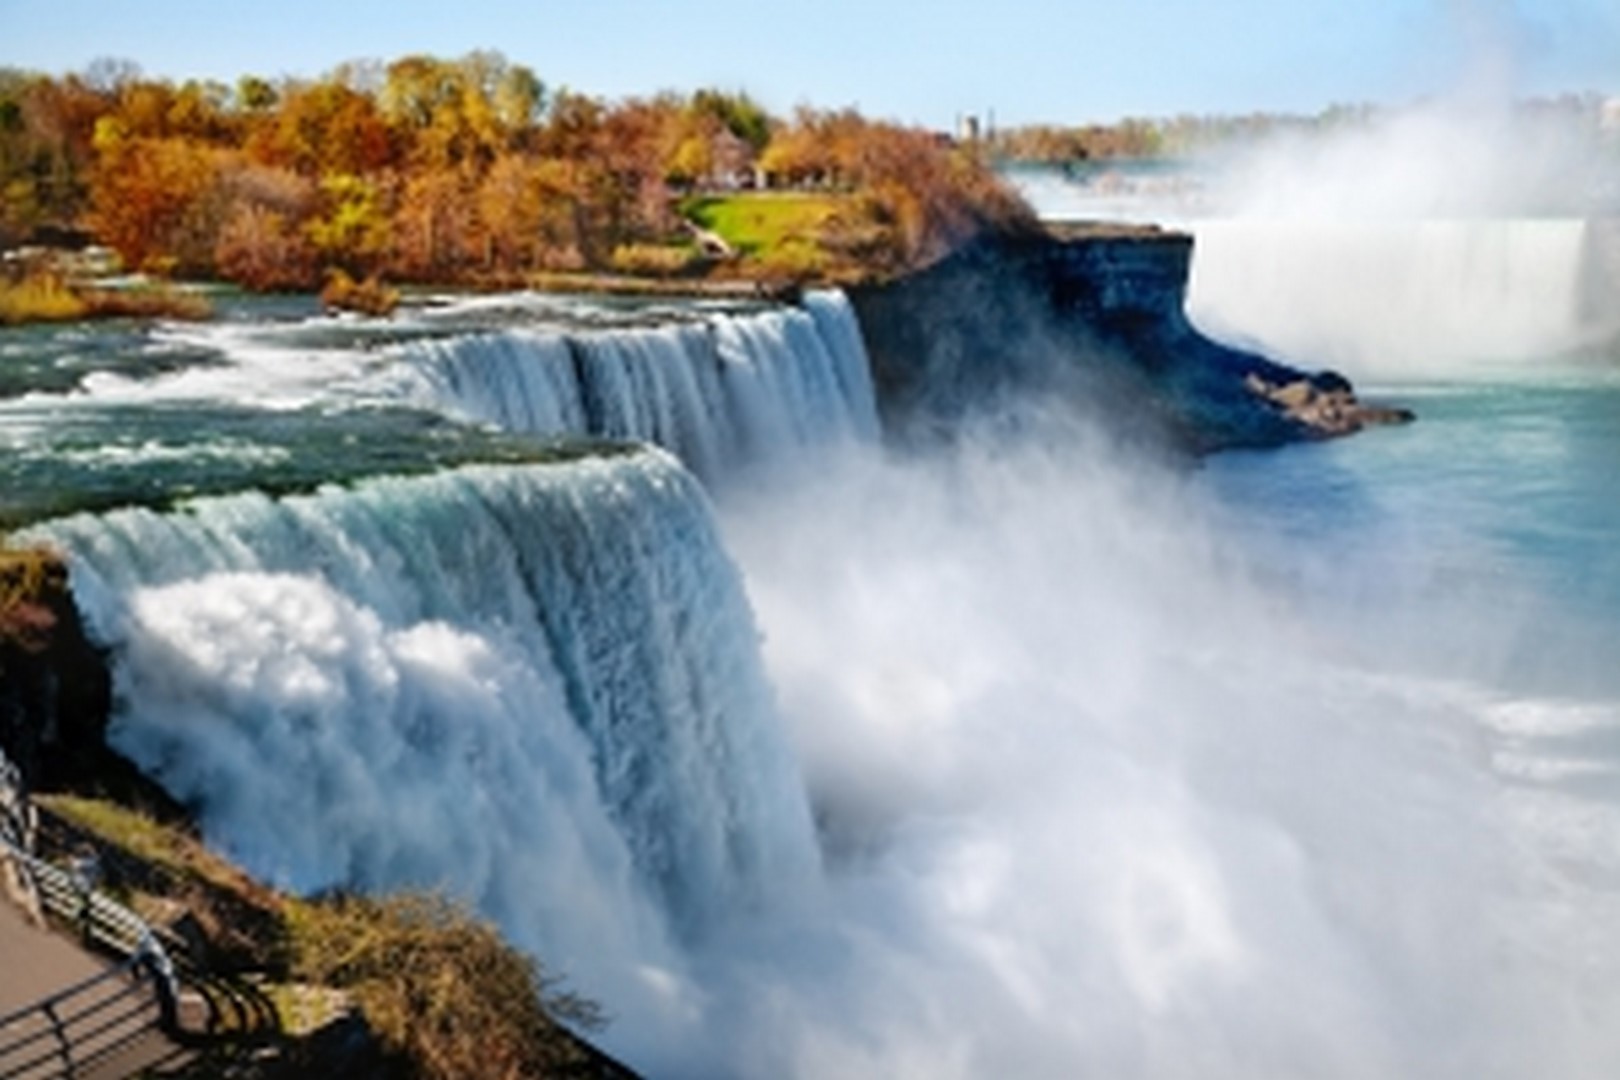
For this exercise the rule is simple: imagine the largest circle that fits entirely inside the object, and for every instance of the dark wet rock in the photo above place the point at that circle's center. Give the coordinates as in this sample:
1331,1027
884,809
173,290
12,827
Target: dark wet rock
1094,316
1325,405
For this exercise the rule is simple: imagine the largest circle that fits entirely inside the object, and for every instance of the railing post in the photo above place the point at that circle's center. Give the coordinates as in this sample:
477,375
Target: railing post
154,960
84,872
63,1046
72,894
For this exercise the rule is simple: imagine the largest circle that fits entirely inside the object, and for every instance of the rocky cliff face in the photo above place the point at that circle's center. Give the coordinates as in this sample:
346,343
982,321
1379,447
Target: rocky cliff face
55,689
1095,316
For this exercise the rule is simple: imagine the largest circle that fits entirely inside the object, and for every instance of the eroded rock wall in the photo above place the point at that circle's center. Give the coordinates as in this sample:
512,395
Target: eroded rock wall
1094,316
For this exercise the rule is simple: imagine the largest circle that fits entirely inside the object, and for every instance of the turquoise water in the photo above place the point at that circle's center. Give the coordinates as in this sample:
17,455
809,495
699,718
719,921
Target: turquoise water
1503,494
272,395
269,397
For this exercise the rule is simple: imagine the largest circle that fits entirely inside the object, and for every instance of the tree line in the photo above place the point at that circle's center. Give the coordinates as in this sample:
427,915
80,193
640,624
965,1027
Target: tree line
448,171
1187,134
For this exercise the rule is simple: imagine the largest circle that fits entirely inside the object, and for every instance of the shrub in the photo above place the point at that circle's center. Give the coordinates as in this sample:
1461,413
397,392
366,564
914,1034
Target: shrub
654,260
28,580
368,297
39,298
162,302
438,986
48,298
795,261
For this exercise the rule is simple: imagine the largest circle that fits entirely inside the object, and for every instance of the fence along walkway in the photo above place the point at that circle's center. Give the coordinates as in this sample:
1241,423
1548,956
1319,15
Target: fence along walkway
96,1020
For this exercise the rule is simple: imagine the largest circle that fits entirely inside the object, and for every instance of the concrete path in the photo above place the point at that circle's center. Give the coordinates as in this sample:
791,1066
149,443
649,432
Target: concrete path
35,963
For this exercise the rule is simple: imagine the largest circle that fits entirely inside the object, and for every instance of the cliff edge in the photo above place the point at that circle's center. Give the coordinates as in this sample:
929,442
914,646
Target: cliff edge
1096,315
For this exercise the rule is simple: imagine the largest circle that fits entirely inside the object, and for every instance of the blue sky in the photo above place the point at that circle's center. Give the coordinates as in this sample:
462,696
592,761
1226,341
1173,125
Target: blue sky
926,62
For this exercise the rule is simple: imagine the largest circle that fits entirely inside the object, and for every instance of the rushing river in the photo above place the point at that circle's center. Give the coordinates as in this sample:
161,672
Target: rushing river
1017,758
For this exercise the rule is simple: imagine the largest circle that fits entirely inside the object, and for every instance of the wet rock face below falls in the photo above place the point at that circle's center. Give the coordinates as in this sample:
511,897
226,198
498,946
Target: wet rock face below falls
56,688
1095,313
53,686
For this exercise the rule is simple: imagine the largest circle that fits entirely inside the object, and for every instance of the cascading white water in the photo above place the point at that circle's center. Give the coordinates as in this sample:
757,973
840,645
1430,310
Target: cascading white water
539,687
727,391
1460,233
1385,298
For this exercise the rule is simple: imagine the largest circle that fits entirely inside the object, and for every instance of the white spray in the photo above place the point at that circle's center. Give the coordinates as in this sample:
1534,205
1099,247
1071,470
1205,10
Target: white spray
1422,242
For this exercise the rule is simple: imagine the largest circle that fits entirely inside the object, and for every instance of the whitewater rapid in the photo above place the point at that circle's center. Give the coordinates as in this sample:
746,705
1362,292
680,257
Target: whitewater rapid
721,393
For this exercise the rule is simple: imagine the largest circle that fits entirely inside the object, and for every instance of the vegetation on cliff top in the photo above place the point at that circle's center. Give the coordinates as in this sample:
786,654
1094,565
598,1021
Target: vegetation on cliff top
442,994
466,171
28,577
439,986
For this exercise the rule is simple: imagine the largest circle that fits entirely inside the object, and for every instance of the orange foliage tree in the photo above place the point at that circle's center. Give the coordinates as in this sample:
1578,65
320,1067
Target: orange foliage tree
446,171
157,200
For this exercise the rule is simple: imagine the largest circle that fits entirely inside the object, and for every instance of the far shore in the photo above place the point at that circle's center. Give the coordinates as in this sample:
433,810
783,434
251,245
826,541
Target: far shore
48,285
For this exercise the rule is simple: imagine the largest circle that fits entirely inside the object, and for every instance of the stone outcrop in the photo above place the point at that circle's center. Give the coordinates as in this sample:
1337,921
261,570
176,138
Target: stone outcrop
56,689
1094,315
1324,404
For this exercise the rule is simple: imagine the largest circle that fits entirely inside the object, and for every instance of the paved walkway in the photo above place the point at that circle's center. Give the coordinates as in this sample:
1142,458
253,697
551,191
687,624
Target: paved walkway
35,963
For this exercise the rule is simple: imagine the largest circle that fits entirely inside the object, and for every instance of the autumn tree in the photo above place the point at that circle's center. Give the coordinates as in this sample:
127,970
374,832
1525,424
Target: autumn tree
323,128
46,153
265,242
351,228
450,170
156,200
435,225
524,219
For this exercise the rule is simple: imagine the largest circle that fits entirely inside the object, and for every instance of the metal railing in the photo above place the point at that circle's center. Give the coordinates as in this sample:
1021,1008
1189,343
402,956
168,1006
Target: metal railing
75,1029
16,815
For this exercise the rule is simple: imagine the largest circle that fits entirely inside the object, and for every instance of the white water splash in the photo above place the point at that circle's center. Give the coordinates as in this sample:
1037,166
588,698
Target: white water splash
1106,796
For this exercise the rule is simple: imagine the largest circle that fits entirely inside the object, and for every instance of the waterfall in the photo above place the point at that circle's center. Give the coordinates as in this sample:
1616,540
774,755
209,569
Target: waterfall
538,686
1390,298
719,392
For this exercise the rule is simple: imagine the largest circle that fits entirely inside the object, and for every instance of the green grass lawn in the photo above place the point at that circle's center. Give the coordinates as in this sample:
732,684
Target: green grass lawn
758,223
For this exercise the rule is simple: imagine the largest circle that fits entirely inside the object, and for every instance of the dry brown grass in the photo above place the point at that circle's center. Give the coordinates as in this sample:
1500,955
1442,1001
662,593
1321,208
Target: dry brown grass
439,986
47,297
368,297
